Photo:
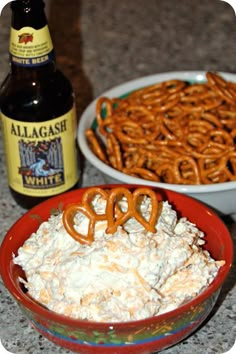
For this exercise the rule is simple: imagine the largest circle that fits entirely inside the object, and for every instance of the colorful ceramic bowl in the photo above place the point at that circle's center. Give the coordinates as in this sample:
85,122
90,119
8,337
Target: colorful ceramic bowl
137,337
220,196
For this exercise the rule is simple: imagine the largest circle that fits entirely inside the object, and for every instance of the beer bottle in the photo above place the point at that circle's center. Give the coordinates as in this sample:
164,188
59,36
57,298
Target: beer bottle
37,112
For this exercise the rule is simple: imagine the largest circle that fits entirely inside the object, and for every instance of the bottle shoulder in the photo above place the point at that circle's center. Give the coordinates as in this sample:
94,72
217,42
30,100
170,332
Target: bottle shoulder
36,97
36,78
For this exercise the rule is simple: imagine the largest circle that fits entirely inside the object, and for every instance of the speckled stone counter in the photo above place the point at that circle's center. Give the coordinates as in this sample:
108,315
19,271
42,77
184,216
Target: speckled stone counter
100,44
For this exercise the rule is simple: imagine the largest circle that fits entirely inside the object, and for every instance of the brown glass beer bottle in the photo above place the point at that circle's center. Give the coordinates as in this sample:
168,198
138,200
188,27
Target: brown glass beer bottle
37,112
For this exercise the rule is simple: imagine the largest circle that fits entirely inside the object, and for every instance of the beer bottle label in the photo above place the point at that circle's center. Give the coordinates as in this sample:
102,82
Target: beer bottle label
41,157
30,47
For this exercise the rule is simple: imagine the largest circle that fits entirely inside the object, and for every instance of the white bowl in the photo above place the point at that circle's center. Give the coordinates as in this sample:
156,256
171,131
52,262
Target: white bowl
219,196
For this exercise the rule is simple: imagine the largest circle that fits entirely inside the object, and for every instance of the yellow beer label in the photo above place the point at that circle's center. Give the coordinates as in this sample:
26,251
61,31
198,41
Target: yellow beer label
30,47
41,157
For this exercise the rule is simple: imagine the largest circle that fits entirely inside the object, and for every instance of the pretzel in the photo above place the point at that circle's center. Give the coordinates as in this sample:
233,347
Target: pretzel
154,130
221,86
109,109
132,209
166,173
199,97
96,147
186,170
130,133
217,170
113,214
141,172
227,117
197,142
222,137
85,208
114,153
163,103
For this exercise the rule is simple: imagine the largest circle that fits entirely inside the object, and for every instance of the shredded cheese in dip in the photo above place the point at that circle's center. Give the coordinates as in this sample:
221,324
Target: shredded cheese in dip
130,275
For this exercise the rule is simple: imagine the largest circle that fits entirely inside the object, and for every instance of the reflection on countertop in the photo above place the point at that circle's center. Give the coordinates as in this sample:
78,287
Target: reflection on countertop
101,44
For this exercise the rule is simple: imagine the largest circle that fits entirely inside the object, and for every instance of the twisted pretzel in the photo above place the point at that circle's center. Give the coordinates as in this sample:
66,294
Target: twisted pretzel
85,208
132,210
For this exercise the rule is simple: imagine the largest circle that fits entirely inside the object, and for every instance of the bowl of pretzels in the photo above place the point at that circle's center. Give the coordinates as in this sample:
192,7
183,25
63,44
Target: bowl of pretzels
126,269
175,130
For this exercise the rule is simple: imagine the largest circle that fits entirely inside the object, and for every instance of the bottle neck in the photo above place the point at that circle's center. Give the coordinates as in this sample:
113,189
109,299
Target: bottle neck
28,13
30,44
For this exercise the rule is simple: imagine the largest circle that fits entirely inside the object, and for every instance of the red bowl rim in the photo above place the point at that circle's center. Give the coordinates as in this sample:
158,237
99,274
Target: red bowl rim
40,310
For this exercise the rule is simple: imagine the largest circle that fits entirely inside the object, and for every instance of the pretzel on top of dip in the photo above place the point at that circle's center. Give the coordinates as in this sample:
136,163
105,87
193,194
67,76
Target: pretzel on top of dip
113,213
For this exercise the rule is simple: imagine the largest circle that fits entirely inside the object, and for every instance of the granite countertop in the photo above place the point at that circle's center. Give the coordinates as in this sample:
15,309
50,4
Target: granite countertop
100,44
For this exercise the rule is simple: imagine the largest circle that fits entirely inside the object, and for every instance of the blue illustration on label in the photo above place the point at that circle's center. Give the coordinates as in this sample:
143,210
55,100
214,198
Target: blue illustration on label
41,163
